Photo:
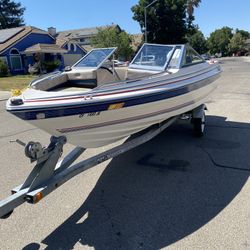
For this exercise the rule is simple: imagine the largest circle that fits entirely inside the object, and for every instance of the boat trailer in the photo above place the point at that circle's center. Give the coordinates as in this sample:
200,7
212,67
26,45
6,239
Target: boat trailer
49,173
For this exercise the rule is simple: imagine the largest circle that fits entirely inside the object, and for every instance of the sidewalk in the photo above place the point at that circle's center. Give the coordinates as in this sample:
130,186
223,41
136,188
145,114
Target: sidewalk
4,95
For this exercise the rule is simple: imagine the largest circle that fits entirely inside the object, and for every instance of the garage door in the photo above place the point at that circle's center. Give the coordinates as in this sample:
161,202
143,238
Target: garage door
69,60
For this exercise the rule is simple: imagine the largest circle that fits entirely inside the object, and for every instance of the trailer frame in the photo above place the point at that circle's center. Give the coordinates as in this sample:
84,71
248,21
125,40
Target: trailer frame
49,173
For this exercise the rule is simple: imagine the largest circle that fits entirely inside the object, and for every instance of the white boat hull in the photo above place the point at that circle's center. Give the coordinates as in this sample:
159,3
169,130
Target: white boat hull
112,125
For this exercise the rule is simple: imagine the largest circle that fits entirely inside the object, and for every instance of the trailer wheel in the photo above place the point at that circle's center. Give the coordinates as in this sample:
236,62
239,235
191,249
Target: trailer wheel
199,125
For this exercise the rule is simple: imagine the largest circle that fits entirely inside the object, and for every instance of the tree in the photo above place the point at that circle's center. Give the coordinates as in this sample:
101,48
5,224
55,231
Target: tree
245,34
191,4
167,21
219,40
3,68
11,14
237,43
113,37
124,45
198,42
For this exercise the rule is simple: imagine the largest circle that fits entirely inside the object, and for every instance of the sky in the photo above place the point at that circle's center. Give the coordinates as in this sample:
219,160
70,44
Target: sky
73,14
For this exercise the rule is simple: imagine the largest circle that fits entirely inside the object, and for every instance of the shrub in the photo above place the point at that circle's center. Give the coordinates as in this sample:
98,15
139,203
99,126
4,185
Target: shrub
3,68
51,65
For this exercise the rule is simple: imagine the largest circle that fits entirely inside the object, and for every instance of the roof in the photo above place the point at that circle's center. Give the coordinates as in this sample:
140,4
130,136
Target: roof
87,47
84,32
13,35
6,34
61,42
45,48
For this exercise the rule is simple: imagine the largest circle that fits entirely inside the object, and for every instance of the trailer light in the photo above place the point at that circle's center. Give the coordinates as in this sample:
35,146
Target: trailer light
38,197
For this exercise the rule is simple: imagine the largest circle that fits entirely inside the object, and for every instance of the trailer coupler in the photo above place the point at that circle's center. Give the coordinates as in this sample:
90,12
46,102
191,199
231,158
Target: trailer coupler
46,165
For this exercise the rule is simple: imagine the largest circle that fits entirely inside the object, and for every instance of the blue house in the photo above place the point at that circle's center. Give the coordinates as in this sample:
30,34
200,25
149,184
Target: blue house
22,47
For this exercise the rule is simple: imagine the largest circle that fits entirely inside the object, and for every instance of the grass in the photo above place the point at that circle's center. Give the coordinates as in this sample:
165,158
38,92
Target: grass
15,82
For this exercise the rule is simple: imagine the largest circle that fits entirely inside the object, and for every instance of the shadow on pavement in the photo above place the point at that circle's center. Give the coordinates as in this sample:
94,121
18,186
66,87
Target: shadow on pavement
161,191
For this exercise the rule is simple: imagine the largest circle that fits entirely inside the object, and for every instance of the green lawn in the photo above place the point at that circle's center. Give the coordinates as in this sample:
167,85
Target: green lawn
15,82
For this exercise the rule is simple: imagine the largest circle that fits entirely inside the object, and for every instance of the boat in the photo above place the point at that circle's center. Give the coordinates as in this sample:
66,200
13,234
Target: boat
94,103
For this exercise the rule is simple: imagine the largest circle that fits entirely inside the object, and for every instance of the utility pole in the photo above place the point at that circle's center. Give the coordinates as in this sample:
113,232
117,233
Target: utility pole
145,16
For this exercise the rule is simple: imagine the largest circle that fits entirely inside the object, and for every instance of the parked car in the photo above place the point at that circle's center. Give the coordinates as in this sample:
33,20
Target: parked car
205,56
218,55
118,63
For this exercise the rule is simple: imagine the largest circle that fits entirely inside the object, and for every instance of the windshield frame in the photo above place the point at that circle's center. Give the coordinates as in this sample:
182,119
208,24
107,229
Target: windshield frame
179,62
100,64
132,65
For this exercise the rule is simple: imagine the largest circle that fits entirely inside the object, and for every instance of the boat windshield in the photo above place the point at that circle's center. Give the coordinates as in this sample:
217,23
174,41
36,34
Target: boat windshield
95,58
152,57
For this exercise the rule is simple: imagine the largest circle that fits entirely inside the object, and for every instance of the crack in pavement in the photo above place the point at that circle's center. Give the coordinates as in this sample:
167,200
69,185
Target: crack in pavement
221,165
220,126
20,132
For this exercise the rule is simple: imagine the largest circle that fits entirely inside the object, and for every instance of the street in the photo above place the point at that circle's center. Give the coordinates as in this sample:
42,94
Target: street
174,192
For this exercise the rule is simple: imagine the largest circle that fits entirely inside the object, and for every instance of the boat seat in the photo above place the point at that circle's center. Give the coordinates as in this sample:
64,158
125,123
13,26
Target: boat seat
50,83
138,73
105,75
72,89
86,78
122,72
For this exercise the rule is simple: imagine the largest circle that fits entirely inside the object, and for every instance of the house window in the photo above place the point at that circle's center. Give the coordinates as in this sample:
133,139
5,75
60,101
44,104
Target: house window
15,59
71,47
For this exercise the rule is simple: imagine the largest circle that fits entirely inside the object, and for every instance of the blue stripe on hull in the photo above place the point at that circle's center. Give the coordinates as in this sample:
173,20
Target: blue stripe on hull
89,108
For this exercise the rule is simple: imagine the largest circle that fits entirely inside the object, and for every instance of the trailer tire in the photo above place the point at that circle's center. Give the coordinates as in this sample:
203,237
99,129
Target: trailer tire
199,125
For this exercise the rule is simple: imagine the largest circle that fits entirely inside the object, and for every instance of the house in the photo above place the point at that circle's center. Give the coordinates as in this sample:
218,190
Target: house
25,46
83,36
74,51
137,41
247,46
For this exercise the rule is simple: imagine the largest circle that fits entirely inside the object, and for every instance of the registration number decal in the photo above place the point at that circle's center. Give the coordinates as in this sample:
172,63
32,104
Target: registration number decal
89,114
